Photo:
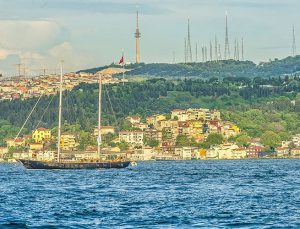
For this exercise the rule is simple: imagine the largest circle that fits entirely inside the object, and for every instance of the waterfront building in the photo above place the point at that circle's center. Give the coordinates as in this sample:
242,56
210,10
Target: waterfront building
239,153
283,152
3,152
145,154
35,146
68,142
253,151
187,153
46,155
295,152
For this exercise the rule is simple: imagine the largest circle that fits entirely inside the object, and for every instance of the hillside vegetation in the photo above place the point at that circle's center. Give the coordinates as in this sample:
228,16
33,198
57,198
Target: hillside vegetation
220,69
256,105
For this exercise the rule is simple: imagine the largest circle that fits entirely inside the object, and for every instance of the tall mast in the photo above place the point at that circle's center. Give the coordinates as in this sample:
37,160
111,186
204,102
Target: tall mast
242,49
210,51
189,46
99,115
294,53
216,49
60,111
227,50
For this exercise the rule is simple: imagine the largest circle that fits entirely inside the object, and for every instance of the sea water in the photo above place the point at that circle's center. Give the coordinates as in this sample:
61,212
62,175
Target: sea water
183,194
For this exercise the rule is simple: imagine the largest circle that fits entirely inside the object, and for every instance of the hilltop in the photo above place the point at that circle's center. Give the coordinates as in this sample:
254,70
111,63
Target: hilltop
220,69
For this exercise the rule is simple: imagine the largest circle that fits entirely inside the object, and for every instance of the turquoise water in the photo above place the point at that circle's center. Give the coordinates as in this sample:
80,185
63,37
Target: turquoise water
221,194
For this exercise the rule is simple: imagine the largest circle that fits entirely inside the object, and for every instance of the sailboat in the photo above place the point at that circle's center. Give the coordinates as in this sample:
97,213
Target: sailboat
61,164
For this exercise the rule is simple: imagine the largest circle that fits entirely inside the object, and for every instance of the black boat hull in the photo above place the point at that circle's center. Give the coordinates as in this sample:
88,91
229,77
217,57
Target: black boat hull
30,164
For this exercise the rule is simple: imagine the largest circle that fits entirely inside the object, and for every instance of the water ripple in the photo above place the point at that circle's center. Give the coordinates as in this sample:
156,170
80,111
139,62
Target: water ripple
219,194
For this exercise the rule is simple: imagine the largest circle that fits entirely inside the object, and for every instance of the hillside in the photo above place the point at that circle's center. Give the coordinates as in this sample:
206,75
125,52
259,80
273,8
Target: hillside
254,107
221,69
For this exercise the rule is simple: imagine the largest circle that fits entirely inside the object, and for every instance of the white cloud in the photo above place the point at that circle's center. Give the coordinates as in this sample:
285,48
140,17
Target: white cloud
28,35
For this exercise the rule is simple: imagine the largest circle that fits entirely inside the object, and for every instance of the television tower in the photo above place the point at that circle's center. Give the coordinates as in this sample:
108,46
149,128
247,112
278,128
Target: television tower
294,51
189,47
227,50
137,39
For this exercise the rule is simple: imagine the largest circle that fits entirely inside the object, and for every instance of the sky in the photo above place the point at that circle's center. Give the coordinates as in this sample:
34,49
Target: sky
91,33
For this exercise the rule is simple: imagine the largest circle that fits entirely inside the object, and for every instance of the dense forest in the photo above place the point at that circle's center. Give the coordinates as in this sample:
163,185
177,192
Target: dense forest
220,69
256,105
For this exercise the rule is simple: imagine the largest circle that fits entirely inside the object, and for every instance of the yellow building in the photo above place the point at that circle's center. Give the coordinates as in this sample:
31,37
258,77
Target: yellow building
68,142
36,146
41,134
19,142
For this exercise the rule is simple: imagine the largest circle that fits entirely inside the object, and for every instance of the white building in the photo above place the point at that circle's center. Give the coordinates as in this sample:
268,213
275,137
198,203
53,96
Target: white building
134,137
145,154
296,140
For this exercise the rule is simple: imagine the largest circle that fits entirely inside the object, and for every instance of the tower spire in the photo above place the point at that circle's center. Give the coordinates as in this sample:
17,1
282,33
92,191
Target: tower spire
137,38
189,47
227,51
294,51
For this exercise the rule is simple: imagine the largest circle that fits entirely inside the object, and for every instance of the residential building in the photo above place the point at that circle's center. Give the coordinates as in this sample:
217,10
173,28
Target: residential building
36,146
296,140
68,142
295,152
18,142
41,135
133,119
46,155
239,153
283,152
134,137
104,130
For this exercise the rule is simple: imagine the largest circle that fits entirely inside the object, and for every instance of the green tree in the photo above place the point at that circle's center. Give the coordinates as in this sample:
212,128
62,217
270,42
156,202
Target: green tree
242,140
123,145
182,140
151,142
214,139
270,139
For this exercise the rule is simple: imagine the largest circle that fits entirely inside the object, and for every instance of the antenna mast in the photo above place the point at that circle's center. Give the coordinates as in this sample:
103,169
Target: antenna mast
189,47
294,51
227,50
